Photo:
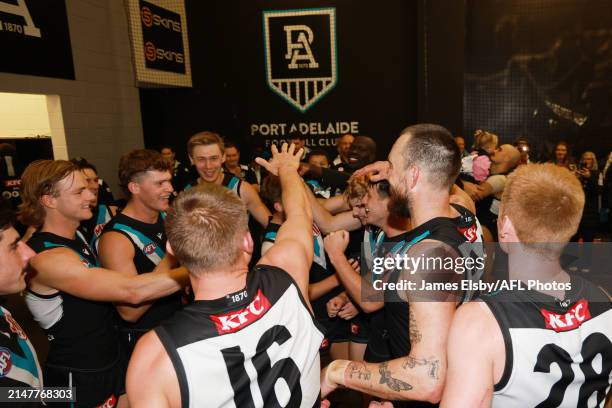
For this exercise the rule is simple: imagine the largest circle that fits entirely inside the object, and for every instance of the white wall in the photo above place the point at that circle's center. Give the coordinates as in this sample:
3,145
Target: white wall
23,115
100,110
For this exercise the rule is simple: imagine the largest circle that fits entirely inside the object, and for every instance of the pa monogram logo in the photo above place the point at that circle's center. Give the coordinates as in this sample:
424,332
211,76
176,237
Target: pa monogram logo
300,50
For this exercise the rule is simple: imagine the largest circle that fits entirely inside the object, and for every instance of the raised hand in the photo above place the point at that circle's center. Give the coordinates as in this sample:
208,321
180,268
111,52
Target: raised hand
286,157
377,171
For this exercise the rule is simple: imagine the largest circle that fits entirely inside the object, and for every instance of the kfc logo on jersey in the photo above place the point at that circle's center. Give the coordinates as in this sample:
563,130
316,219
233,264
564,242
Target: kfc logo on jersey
234,321
109,403
5,361
470,233
149,248
12,183
98,229
572,319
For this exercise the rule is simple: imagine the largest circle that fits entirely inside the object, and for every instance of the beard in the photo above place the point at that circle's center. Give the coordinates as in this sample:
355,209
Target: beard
399,204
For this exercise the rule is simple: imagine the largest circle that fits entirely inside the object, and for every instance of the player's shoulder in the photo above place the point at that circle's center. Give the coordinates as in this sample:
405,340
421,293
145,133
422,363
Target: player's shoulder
53,257
149,348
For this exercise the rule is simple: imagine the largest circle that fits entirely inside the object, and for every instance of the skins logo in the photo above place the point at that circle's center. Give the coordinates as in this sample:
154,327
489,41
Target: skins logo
300,51
234,321
5,361
573,318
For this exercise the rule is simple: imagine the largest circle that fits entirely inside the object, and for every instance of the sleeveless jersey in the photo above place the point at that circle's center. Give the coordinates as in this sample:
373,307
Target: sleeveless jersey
454,232
18,361
92,228
229,180
318,270
234,351
149,242
80,332
558,353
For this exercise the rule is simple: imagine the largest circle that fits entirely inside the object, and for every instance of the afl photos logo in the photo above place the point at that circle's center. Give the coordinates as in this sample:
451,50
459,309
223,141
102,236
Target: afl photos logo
300,51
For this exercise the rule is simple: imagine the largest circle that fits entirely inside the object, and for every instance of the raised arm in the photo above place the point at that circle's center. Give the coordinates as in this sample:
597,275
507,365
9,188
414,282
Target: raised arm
117,253
254,204
335,204
328,222
61,269
293,248
379,170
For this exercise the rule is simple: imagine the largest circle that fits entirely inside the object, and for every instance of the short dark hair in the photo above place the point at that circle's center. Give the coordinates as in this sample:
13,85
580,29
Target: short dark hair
229,143
271,190
432,147
317,152
83,164
137,162
296,135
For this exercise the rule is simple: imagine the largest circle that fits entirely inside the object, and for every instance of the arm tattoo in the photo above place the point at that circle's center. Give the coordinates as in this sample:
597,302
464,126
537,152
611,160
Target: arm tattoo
393,383
411,362
359,371
413,330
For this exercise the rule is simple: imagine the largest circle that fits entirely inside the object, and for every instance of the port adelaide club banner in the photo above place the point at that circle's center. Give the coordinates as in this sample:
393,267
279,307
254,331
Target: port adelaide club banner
301,68
35,38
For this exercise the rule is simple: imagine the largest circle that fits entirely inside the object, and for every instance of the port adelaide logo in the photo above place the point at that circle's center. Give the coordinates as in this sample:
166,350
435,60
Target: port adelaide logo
300,50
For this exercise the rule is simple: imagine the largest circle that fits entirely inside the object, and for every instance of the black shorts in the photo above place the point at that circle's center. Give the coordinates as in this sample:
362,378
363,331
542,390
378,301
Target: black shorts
338,330
378,346
93,387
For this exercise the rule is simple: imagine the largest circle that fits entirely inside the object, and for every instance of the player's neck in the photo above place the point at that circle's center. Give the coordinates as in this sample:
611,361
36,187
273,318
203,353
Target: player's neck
395,225
137,210
528,266
427,205
218,283
217,180
57,224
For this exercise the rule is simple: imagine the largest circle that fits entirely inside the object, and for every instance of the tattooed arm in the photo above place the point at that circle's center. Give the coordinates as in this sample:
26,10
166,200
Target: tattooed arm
420,375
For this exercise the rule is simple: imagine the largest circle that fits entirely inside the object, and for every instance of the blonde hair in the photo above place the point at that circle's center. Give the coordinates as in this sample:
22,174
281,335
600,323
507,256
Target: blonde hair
205,227
204,139
357,187
40,178
484,139
544,203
